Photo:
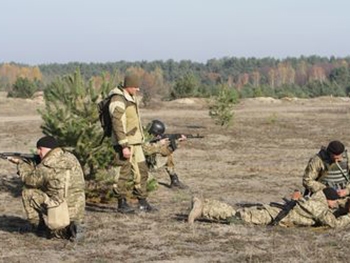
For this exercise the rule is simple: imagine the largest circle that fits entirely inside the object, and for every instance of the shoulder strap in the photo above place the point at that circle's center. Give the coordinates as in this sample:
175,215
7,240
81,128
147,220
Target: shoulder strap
284,212
66,185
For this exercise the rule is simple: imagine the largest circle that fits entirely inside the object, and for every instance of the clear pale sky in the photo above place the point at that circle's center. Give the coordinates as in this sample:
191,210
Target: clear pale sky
60,31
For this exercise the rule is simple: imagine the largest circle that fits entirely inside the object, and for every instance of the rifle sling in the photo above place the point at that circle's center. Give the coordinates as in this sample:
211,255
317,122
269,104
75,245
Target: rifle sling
341,170
283,213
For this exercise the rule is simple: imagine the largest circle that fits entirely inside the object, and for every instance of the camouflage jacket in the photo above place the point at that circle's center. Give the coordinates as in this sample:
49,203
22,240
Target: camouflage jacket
59,175
311,211
314,171
156,154
153,148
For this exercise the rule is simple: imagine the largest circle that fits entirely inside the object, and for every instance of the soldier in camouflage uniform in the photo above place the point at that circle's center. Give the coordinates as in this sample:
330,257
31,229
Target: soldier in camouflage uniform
58,178
315,210
159,152
329,167
127,140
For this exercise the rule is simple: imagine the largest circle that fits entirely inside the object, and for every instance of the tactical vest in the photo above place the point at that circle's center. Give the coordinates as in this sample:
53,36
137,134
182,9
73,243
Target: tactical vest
334,175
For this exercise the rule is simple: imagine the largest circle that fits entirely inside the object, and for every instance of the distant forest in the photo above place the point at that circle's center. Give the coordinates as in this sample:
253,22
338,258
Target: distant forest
304,77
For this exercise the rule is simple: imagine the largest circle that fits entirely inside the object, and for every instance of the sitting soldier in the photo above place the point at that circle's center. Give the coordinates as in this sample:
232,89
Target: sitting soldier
159,151
53,195
329,167
317,210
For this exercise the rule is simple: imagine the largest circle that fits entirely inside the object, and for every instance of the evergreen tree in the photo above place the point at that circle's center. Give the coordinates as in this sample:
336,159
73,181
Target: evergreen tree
221,106
23,88
71,116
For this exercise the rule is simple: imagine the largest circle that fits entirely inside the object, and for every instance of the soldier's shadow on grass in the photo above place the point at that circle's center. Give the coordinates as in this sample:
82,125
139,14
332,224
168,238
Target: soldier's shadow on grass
100,208
164,184
12,185
11,223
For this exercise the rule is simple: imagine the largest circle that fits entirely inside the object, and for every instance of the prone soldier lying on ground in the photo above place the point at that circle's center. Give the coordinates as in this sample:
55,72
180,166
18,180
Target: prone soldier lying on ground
159,148
53,194
317,210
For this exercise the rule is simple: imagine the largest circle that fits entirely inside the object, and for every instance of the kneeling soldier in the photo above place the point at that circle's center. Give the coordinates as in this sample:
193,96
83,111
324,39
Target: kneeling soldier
159,152
53,194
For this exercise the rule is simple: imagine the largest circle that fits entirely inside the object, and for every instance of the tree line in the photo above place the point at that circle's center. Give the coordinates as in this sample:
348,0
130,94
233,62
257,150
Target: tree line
250,77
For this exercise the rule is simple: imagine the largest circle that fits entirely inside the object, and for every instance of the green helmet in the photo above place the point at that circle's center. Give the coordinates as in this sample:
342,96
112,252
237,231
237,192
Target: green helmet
156,127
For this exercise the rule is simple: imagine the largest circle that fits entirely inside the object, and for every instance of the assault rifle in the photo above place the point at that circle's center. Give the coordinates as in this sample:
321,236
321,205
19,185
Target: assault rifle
27,157
175,136
287,207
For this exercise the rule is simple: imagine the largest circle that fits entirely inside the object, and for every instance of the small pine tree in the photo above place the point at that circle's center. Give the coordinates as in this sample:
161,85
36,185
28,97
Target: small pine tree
23,88
71,116
221,106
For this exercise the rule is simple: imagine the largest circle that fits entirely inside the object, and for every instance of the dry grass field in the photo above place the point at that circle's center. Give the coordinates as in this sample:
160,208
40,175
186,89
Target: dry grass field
260,158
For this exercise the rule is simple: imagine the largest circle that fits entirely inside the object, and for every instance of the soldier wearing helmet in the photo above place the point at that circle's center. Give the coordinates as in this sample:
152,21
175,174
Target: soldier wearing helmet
156,128
159,152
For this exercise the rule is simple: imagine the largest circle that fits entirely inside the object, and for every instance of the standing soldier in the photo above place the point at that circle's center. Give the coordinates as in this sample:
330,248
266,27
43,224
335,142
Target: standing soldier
127,140
53,195
329,167
159,152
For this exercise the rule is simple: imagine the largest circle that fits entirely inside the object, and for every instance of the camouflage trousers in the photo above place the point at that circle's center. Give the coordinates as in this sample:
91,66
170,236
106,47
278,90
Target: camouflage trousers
259,215
216,210
133,173
34,206
166,162
33,203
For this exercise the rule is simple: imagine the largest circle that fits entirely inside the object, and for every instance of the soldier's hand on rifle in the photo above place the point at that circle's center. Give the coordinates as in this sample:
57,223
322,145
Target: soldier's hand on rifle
13,160
296,195
183,138
164,141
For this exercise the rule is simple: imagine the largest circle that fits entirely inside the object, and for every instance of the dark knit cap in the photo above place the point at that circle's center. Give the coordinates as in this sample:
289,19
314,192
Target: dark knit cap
131,80
331,193
335,147
47,142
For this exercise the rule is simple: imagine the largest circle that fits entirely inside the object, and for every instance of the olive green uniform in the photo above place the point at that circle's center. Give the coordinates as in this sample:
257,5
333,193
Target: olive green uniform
58,178
127,132
307,212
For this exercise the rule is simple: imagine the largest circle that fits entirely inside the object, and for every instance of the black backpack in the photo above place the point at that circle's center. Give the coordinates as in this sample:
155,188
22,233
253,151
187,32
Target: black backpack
104,116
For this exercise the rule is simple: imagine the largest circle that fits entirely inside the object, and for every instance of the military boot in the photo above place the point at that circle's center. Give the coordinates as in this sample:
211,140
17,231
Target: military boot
42,230
196,211
75,232
145,206
123,207
175,182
